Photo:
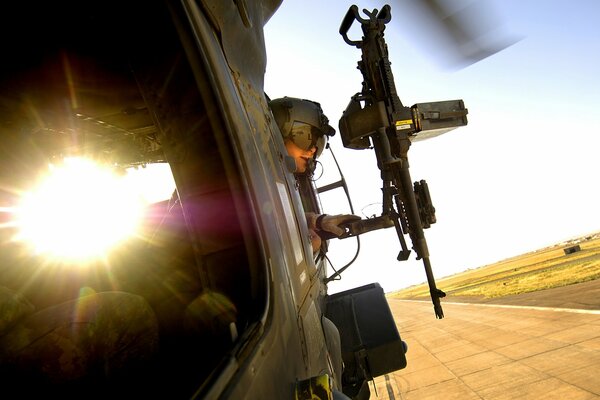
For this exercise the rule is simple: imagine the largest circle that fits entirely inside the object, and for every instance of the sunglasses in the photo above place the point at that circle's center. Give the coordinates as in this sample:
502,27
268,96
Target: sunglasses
306,137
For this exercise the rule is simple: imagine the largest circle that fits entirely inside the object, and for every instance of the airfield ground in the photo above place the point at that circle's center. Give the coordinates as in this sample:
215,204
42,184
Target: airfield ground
494,352
567,273
527,328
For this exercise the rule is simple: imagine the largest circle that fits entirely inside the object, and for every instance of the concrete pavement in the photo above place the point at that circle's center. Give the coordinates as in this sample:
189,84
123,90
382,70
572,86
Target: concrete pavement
494,352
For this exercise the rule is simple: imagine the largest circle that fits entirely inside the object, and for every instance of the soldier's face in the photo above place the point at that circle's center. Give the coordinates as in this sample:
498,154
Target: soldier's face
301,156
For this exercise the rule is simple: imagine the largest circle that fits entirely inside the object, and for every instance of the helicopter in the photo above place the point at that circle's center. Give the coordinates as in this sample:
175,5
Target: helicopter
134,84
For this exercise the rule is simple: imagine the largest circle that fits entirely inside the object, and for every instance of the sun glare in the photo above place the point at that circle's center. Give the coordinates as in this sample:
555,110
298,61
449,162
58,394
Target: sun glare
79,211
154,182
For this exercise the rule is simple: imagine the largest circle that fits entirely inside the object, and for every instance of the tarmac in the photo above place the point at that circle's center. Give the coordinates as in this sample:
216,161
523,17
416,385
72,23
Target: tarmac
542,345
584,295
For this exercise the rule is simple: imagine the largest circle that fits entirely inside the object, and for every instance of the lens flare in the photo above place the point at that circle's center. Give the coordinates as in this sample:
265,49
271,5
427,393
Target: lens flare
79,211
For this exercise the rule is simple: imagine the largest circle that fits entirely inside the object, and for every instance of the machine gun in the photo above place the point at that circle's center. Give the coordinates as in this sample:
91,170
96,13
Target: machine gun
375,118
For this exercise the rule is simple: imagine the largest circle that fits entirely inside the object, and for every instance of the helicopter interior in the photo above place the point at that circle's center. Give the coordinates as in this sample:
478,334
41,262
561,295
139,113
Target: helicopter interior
74,89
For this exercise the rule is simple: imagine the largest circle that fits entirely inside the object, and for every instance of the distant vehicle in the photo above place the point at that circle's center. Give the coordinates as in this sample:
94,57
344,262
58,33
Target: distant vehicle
131,84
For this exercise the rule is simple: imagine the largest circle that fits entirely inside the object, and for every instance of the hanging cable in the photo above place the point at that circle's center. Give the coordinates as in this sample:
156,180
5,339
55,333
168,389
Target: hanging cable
340,183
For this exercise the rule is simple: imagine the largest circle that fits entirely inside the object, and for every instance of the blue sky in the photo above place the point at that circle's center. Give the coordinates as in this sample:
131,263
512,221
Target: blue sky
522,175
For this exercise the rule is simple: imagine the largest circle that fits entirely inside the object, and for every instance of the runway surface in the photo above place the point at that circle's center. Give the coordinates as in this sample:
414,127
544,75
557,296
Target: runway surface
495,351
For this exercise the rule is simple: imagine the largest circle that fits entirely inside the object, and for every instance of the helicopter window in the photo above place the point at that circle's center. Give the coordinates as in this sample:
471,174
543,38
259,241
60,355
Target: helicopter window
80,209
142,112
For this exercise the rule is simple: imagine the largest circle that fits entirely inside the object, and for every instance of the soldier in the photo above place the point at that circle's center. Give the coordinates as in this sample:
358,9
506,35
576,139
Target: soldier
305,130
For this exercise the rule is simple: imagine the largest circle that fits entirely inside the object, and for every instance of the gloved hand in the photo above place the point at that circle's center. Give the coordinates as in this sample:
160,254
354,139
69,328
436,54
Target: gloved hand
331,223
315,240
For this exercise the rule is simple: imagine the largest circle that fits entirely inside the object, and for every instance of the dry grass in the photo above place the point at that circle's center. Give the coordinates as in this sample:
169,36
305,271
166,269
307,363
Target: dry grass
543,269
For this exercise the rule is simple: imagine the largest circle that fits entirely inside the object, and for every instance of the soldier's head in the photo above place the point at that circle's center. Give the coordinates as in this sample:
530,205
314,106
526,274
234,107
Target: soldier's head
304,128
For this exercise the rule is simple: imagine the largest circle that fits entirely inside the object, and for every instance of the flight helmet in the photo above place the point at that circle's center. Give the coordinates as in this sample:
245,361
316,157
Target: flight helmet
302,121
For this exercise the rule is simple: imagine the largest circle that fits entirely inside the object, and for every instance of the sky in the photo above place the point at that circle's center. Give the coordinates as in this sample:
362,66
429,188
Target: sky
522,175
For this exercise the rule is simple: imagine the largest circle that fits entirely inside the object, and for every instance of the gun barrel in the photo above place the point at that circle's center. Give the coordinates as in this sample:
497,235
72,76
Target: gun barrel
404,182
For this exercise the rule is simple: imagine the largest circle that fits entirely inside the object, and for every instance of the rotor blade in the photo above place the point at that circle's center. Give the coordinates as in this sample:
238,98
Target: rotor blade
454,33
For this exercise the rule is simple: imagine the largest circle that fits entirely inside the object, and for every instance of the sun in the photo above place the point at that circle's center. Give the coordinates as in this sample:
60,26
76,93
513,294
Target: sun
79,211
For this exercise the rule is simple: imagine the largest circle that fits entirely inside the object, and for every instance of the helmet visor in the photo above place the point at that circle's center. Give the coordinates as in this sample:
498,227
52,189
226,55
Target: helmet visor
307,137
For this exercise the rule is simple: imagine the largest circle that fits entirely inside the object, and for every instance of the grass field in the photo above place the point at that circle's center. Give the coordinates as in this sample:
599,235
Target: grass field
542,269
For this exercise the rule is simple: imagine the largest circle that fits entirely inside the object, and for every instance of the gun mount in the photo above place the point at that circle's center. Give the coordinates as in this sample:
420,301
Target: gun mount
376,118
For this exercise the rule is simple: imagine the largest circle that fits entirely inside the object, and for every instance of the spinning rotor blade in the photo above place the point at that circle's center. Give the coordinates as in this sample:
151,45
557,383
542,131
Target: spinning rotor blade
456,33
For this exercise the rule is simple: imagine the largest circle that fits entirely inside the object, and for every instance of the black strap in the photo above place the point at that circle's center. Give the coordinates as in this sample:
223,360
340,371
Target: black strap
319,221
